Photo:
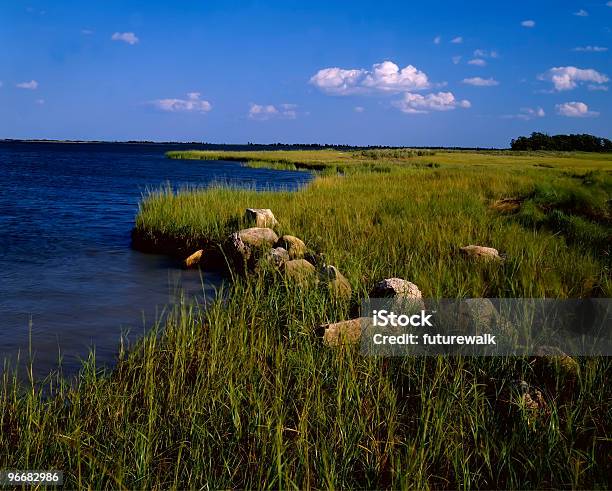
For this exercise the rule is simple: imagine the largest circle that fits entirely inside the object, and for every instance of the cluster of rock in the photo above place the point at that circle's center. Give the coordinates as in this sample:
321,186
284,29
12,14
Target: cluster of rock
259,247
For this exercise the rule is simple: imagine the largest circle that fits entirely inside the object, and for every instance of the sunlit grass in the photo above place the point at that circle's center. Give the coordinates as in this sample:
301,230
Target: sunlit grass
244,395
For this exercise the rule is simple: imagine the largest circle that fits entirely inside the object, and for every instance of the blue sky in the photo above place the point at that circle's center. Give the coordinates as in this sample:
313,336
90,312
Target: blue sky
437,73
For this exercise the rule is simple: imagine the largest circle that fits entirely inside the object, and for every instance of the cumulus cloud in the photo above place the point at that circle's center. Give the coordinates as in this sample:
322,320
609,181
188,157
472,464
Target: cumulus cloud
193,103
591,49
437,40
264,112
31,85
528,23
481,82
575,110
477,62
126,37
527,113
412,103
581,13
457,40
568,77
383,77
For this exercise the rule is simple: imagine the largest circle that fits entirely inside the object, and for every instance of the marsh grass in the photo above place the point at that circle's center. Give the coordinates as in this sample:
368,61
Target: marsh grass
242,394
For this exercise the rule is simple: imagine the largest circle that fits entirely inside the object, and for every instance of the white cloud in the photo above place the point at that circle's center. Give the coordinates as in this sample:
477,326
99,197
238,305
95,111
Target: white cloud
456,59
600,88
575,110
437,40
591,49
193,103
483,53
477,62
527,113
457,40
31,85
568,77
528,23
126,37
581,13
420,104
359,109
383,77
263,112
481,82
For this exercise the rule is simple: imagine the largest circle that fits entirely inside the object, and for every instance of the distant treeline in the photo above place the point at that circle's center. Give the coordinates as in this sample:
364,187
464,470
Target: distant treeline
562,143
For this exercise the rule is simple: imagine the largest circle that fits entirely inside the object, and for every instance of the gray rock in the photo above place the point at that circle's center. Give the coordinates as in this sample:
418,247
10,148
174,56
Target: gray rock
300,271
295,247
260,217
395,287
344,332
336,281
481,253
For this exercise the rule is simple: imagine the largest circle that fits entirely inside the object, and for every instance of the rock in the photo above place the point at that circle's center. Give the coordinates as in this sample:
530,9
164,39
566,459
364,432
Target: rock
240,247
258,236
300,271
534,401
294,246
395,287
344,332
552,358
481,252
507,205
260,217
336,281
277,256
194,259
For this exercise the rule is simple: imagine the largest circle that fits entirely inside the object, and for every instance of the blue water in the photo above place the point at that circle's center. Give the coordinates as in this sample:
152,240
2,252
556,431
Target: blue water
68,277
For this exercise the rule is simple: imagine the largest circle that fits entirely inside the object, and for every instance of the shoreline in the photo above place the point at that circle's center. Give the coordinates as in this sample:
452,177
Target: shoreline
218,396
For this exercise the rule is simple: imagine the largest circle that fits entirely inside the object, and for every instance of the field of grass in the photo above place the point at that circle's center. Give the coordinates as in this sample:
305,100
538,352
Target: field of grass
243,394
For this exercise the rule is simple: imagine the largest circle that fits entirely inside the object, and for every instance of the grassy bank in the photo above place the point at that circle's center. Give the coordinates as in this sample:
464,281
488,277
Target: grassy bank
243,394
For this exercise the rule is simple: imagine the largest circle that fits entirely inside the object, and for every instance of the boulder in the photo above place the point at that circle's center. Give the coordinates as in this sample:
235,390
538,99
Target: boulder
300,271
336,281
396,287
344,332
194,259
258,236
260,217
481,253
294,246
277,257
507,205
552,359
240,247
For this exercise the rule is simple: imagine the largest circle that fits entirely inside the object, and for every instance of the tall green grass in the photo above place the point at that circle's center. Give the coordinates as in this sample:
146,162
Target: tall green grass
242,394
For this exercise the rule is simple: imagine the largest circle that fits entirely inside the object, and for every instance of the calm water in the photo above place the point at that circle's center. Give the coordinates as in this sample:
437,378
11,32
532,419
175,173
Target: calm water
67,273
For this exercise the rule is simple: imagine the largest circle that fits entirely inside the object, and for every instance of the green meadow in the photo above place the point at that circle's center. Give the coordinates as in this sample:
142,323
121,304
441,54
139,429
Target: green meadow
242,393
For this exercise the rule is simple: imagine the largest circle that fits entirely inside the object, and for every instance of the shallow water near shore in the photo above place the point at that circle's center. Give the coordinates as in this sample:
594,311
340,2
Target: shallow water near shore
69,280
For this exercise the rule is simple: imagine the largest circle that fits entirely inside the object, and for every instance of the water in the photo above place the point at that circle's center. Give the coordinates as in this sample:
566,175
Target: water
68,276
